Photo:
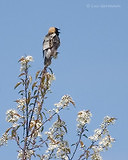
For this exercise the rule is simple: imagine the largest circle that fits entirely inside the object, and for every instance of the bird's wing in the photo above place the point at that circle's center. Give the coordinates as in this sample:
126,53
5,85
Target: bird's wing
56,42
50,41
46,43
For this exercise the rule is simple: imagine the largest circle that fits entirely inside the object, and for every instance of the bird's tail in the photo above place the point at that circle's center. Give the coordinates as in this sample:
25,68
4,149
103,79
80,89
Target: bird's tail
47,61
55,54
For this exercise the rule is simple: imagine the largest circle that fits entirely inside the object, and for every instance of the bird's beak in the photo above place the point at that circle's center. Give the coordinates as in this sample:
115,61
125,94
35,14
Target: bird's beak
58,29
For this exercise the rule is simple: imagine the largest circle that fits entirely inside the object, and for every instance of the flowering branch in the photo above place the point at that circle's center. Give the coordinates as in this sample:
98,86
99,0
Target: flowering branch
29,123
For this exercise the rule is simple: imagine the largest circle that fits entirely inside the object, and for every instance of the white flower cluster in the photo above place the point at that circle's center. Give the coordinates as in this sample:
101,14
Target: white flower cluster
12,116
50,78
106,142
107,121
83,118
58,128
62,150
64,102
97,135
4,139
21,104
101,139
56,142
103,130
96,153
24,62
28,154
36,125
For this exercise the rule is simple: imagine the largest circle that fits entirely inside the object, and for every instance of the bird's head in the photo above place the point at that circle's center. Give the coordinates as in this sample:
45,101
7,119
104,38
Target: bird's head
53,30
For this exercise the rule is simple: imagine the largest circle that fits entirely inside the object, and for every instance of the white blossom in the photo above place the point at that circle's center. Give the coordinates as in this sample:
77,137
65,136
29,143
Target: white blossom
58,124
29,58
83,118
21,104
96,156
36,125
101,139
96,153
56,142
56,110
107,121
50,78
58,128
4,139
106,142
12,116
97,148
28,154
97,135
24,62
15,125
64,102
52,145
47,81
62,150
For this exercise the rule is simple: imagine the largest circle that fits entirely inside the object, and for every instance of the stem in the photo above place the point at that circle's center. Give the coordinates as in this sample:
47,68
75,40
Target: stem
34,105
82,130
26,97
50,156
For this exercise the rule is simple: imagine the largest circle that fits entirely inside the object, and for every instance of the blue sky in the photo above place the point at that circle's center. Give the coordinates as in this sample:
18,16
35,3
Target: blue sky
92,65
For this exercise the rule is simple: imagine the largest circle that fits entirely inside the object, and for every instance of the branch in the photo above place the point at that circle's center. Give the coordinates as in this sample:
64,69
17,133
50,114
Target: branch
82,130
26,96
42,73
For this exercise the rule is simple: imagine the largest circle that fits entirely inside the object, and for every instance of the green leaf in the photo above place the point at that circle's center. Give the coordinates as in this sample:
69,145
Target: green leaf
38,156
22,80
34,85
85,135
13,133
29,97
30,79
28,100
8,130
17,127
50,70
65,129
86,130
28,83
42,80
21,74
21,59
17,85
35,91
44,113
37,73
21,92
41,116
42,128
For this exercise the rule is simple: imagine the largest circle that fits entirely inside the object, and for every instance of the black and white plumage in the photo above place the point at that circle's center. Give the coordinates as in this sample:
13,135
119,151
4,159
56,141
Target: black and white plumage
50,45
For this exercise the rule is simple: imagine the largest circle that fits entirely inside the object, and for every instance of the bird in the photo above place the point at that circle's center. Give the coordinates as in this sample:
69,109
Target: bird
50,45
